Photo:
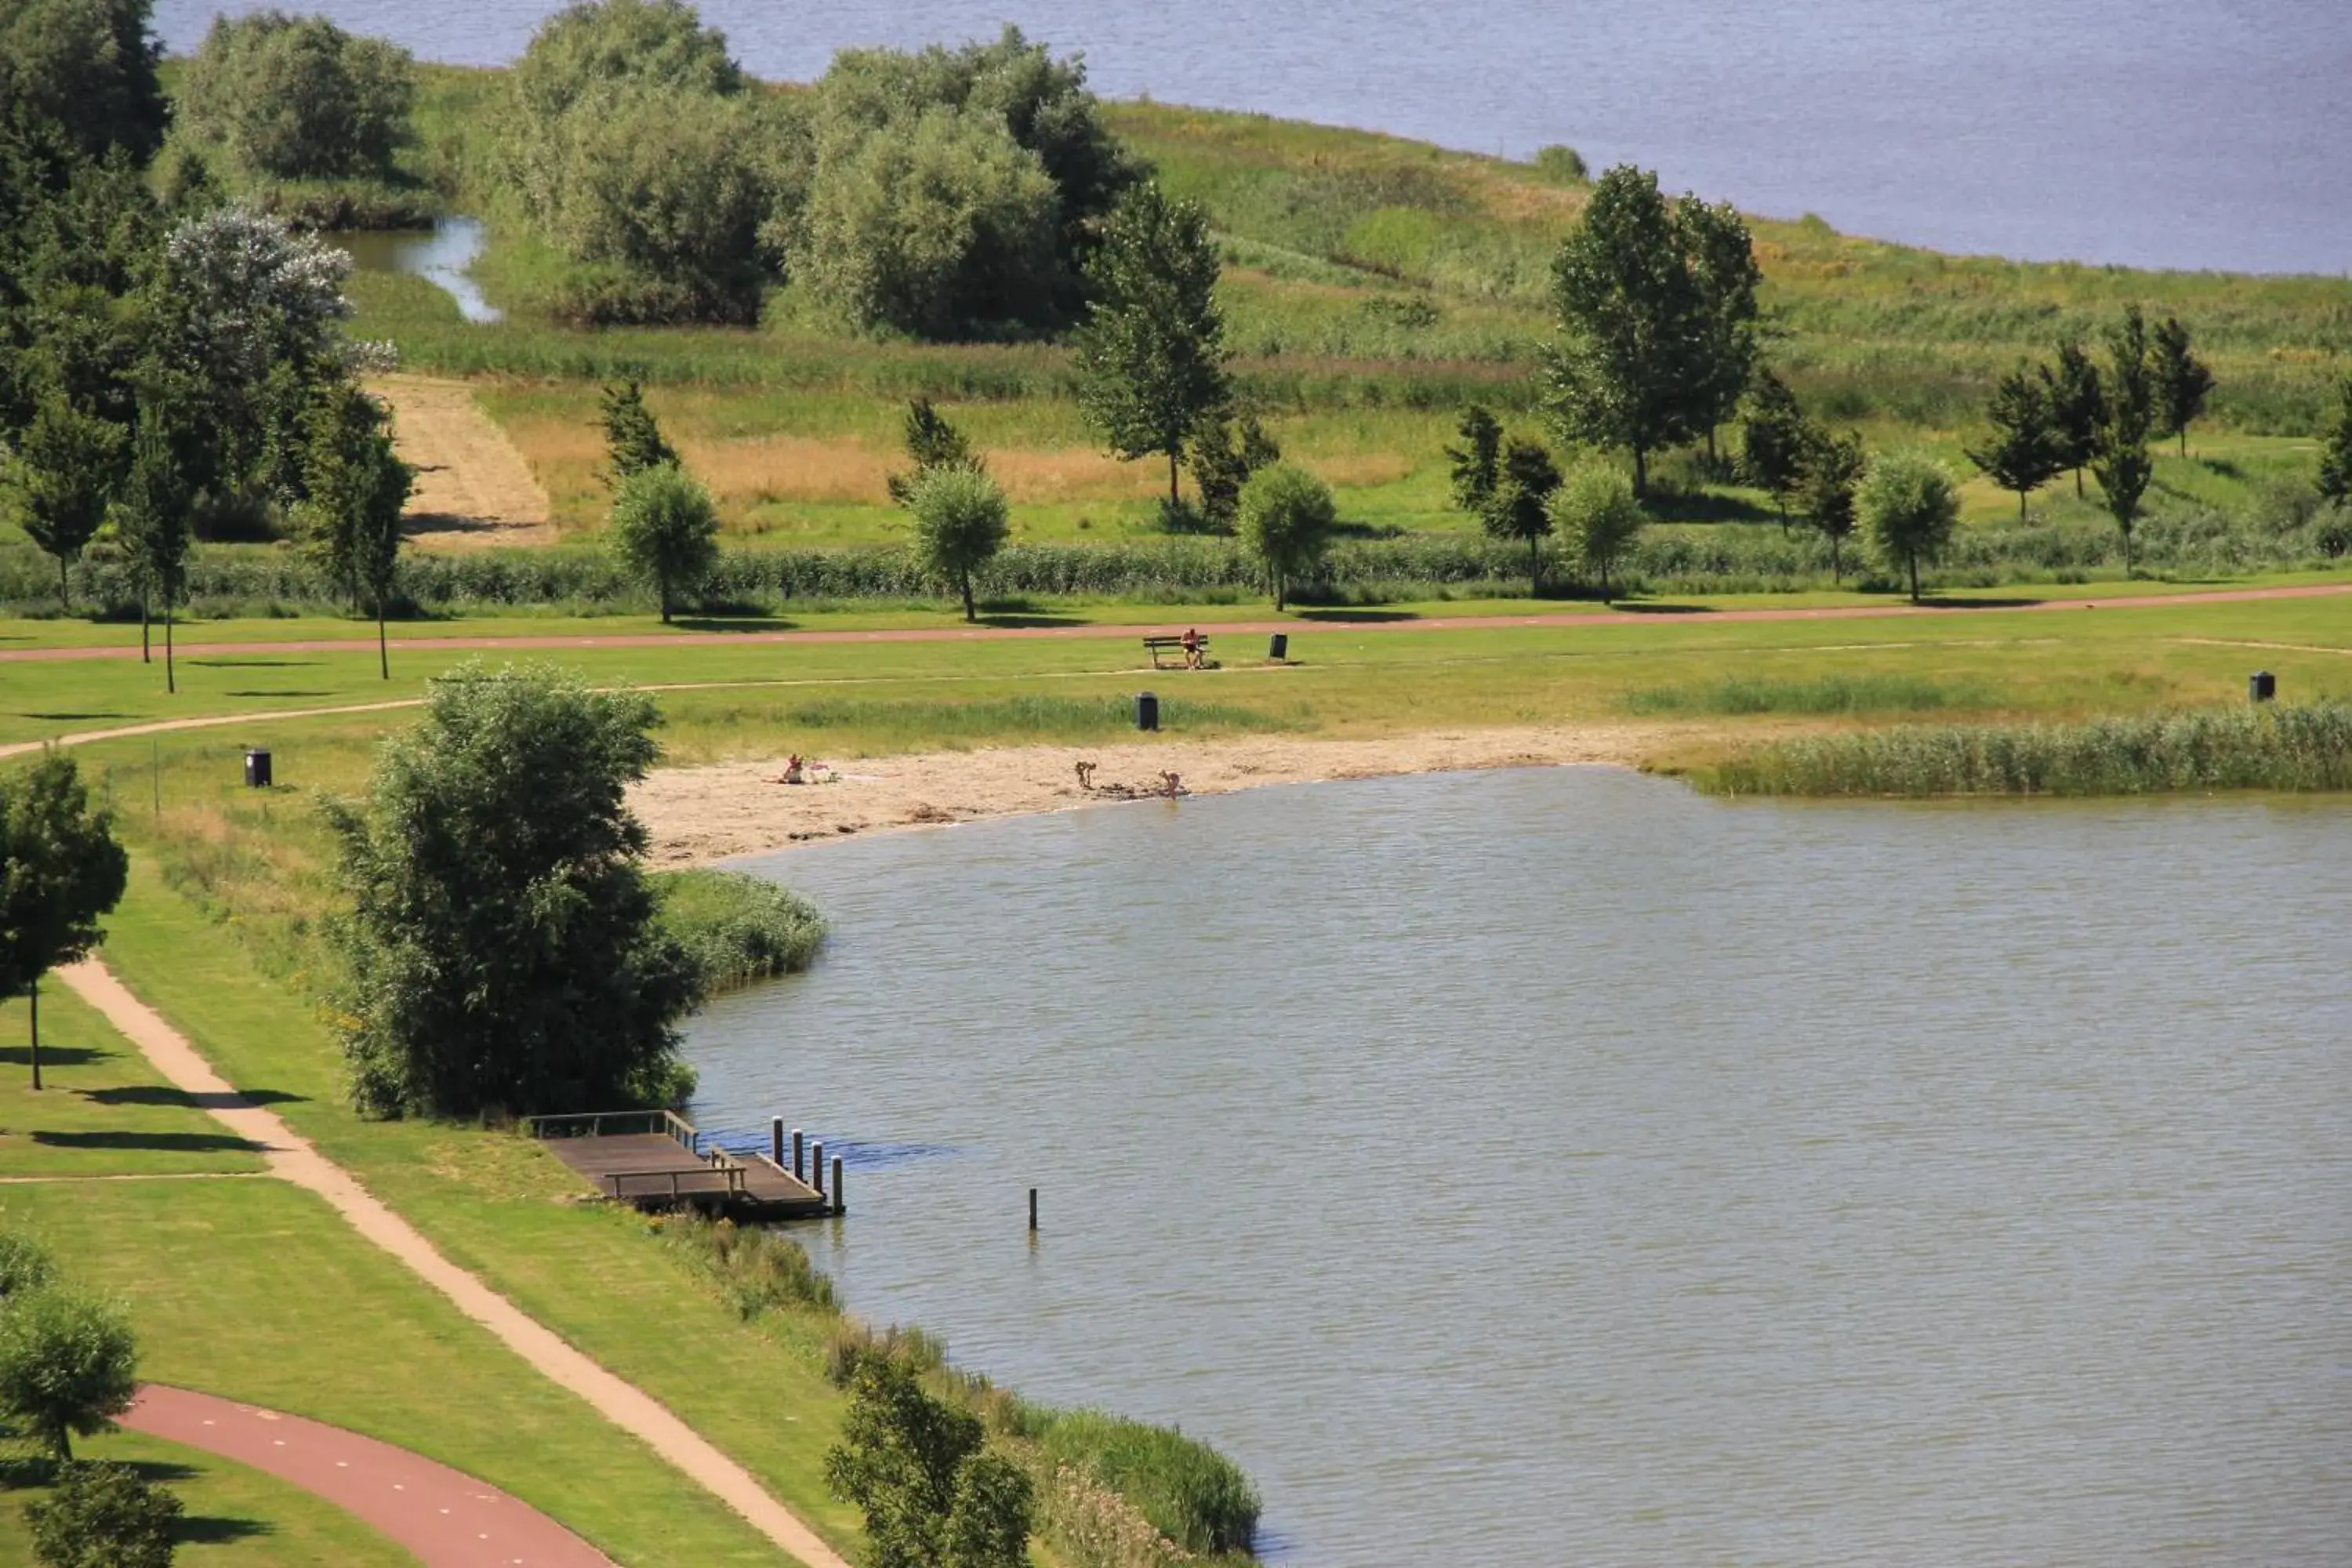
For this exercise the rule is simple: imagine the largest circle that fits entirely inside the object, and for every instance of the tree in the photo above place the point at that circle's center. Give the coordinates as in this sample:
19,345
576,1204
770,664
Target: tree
357,487
63,475
1478,462
1595,509
2183,381
2078,404
932,1497
932,442
960,525
1225,453
633,438
101,1515
67,1366
1515,507
87,67
665,527
1151,356
60,870
297,98
2025,449
1656,314
1775,441
151,518
1910,507
2122,464
1833,468
503,947
1286,518
2335,450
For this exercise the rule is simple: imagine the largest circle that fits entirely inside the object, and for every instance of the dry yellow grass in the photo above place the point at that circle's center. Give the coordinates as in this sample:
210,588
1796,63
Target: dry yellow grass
473,487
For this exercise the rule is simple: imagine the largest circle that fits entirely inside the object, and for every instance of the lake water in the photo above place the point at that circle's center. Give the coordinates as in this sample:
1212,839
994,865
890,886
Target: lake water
441,257
1556,1165
2185,133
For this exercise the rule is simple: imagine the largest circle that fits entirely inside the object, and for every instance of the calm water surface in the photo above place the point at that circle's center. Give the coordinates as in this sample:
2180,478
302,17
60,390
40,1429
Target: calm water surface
1556,1167
441,257
2189,134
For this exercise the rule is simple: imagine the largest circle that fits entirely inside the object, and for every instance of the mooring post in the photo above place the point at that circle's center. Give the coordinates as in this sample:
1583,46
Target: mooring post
816,1168
775,1140
1032,1208
800,1173
839,1208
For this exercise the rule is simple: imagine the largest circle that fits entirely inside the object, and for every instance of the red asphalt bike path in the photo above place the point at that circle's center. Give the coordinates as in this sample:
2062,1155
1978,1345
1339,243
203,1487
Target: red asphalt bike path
445,1517
1663,616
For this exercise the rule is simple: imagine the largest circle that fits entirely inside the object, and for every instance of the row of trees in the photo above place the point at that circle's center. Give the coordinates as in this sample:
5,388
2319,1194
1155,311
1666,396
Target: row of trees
170,368
944,193
2049,419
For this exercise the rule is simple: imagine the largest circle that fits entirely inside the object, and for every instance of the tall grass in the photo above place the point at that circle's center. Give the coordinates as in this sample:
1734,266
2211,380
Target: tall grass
1828,694
1192,1494
740,928
2306,748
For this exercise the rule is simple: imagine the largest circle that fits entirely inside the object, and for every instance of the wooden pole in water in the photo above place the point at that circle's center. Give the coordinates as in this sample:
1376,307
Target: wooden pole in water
816,1168
775,1140
1032,1208
799,1171
838,1205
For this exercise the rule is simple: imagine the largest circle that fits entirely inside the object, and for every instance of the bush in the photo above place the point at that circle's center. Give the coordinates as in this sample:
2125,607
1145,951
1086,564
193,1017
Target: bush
737,928
297,98
67,1365
1190,1493
666,529
1286,520
757,1271
2305,748
104,1516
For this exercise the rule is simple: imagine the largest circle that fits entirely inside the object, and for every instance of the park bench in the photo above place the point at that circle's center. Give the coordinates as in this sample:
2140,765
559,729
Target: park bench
1162,647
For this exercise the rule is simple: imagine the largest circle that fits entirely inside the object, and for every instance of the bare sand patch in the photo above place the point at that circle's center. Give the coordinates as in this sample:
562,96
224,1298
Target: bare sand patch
473,487
704,813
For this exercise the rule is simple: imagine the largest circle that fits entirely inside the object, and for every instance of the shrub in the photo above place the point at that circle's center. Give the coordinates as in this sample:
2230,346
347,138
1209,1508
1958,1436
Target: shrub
1565,165
737,927
757,1271
1190,1493
297,98
24,1265
1286,518
104,1516
67,1365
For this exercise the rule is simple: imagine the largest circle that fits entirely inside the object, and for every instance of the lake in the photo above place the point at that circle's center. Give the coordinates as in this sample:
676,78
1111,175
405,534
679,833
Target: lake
2181,134
1557,1166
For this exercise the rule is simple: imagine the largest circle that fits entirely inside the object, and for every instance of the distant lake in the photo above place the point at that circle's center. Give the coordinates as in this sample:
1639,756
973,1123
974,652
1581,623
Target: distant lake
1558,1167
2178,133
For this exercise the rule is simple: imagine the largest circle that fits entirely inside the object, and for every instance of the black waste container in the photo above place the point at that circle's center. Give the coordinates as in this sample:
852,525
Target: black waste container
1146,711
1279,648
2262,686
256,768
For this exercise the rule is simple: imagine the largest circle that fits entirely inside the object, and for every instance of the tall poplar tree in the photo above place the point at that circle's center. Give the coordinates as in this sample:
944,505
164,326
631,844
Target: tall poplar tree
2335,450
61,869
1151,355
2077,404
152,517
61,478
2122,465
1775,441
2183,380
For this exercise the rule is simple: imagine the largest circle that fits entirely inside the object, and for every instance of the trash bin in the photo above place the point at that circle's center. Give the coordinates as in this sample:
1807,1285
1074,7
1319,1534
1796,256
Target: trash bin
2262,686
1146,711
256,768
1279,648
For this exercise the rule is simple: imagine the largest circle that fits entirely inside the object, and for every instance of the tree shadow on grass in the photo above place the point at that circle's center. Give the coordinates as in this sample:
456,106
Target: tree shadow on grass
256,663
215,1530
733,623
159,1094
1373,616
1017,619
70,718
280,691
1932,603
1646,608
51,1056
154,1142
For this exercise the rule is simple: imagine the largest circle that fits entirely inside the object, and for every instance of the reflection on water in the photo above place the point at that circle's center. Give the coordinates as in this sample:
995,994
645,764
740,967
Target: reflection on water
1557,1166
440,257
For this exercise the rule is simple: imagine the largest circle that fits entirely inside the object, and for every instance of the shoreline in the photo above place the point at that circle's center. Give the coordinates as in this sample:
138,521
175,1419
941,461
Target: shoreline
725,811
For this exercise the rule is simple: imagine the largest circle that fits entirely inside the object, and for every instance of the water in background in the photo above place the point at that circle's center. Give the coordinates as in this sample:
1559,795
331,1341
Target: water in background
2183,133
441,257
1558,1166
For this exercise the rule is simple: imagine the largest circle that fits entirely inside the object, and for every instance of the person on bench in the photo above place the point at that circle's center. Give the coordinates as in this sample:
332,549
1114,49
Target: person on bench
1191,648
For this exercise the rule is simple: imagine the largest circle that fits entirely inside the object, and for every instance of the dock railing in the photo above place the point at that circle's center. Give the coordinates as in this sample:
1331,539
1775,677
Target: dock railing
615,1124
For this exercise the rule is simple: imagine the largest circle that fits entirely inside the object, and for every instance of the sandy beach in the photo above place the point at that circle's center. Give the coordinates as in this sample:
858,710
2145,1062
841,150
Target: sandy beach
704,813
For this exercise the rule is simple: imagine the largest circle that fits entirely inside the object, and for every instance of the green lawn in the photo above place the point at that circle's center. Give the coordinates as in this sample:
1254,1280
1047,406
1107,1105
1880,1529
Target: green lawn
236,1517
102,1109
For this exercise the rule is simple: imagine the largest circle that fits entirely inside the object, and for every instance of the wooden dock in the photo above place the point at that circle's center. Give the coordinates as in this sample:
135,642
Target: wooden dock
655,1159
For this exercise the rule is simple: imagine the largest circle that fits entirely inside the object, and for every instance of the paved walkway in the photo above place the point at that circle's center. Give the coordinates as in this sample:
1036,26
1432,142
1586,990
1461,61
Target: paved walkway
445,1517
1940,609
295,1160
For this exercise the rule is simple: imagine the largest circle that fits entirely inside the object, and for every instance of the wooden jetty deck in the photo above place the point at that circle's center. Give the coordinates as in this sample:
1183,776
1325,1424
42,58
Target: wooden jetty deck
655,1160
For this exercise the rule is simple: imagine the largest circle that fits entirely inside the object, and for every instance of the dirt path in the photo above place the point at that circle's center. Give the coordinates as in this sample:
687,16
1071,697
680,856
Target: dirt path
294,1159
698,815
473,489
1297,628
445,1517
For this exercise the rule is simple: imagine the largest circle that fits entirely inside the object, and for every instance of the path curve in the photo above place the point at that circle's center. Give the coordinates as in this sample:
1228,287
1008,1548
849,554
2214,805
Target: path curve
1942,610
445,1517
294,1158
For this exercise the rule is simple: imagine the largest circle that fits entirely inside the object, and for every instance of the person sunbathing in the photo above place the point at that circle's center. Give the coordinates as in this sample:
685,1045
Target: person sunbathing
794,772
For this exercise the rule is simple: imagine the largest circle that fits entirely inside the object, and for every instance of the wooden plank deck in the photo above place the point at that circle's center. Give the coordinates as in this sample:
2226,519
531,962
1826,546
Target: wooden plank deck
622,1157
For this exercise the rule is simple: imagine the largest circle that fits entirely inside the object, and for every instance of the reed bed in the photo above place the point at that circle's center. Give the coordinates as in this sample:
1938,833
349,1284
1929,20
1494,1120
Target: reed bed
2305,748
740,928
